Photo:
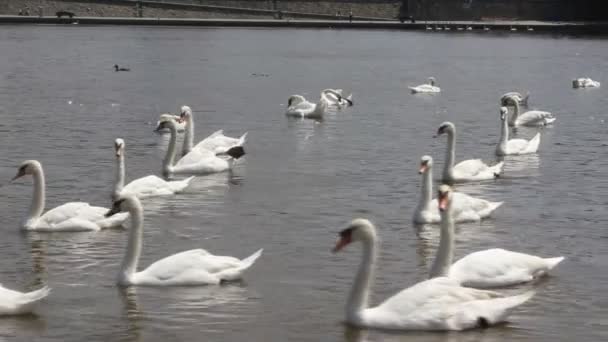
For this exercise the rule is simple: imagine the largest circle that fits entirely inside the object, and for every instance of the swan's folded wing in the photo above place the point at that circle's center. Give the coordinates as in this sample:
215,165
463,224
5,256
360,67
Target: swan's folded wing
65,212
517,145
195,260
470,167
148,186
195,156
303,108
218,143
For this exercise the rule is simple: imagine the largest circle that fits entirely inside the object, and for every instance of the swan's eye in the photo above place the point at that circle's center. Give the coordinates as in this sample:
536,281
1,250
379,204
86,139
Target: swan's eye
346,233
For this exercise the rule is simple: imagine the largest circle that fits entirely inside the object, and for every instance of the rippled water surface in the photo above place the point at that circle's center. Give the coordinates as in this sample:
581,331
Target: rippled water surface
302,181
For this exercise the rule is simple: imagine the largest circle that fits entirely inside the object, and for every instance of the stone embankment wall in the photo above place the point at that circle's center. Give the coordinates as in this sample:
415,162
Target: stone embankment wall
238,9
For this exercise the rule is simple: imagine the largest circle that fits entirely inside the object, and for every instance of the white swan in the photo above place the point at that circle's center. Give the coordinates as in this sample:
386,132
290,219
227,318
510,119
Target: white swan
72,216
298,106
193,267
143,187
523,100
426,88
466,208
180,125
199,161
334,97
585,82
217,142
435,304
488,268
467,170
19,303
508,146
529,118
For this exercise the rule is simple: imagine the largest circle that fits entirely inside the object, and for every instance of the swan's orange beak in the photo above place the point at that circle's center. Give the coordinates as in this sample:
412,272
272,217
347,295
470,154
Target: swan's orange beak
423,168
342,242
443,201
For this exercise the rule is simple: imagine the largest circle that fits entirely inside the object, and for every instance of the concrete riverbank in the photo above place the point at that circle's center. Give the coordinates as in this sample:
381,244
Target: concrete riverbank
452,26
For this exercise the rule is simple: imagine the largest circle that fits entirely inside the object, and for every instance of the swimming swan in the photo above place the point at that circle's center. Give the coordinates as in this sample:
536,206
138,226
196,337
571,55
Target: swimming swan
467,170
72,216
193,267
143,187
508,146
466,208
426,88
529,118
484,269
217,142
298,106
434,304
19,303
198,161
585,82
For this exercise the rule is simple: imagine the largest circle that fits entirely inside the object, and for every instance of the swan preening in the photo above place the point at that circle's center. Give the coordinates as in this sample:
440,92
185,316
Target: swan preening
435,304
514,96
529,118
484,269
143,187
193,267
426,88
198,161
217,142
508,146
18,303
466,208
298,106
335,98
72,216
585,82
467,170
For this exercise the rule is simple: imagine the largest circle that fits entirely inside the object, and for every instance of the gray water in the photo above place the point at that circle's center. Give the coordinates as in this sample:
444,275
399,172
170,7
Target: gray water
302,181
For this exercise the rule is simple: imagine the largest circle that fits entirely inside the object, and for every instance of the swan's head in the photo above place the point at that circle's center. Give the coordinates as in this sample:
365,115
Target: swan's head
358,230
446,127
119,147
425,164
294,100
28,167
123,203
116,67
510,99
504,112
432,80
166,121
444,196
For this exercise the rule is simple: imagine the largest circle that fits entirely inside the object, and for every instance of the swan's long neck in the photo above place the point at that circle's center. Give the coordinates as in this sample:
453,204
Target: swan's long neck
188,137
120,174
359,294
445,252
426,193
504,135
515,113
169,159
450,155
38,198
131,258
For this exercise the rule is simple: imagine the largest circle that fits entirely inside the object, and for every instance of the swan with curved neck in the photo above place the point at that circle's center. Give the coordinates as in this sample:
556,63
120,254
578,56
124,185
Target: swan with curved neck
197,161
508,146
217,142
434,304
484,269
193,267
529,118
180,125
334,97
298,106
429,87
468,208
143,187
72,216
514,96
467,170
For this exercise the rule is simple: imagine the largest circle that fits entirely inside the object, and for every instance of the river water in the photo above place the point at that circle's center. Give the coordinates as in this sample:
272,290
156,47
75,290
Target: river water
302,181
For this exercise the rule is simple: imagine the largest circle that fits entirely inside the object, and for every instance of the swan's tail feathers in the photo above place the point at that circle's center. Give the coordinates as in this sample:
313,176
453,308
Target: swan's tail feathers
524,101
235,152
497,169
533,144
248,261
216,133
181,184
413,89
549,120
552,262
490,209
349,99
27,302
242,139
37,294
501,308
235,273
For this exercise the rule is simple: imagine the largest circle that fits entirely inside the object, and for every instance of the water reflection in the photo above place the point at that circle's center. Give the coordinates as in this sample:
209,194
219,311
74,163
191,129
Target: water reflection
133,315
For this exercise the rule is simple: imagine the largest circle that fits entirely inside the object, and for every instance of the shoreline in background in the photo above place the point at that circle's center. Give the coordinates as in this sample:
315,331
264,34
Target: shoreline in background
458,26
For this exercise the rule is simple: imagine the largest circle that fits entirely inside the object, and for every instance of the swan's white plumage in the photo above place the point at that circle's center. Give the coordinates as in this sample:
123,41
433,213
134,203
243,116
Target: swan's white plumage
529,118
585,82
426,88
217,142
17,303
298,106
508,146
